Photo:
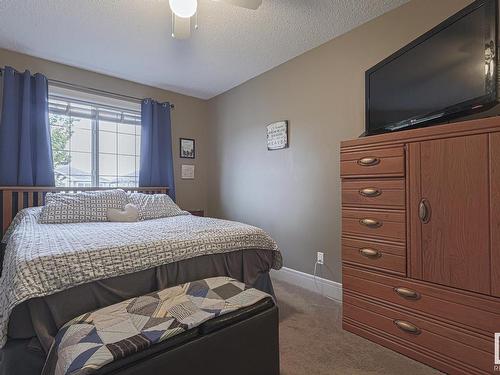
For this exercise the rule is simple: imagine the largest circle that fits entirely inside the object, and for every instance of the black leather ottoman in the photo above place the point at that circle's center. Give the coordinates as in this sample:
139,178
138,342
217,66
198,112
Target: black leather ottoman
245,342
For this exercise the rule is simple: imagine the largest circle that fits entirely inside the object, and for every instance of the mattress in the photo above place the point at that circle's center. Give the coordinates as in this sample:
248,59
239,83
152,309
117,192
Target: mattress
43,259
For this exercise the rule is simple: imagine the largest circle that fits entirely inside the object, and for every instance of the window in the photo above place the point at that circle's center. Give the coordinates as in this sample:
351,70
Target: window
94,144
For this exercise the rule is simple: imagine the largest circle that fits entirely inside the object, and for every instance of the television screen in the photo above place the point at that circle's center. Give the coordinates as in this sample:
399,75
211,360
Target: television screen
447,71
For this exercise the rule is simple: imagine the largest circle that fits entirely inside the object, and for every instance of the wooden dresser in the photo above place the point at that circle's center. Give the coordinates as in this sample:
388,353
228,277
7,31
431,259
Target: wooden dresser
421,242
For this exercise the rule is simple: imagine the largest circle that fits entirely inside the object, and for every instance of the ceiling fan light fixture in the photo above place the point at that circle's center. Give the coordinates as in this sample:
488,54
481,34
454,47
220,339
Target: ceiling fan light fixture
184,8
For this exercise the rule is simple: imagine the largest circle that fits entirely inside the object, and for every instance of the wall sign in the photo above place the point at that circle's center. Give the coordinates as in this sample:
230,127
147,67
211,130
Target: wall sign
187,172
277,135
187,150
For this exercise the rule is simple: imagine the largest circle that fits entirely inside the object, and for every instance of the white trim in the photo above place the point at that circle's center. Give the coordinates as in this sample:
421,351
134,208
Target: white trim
94,98
327,288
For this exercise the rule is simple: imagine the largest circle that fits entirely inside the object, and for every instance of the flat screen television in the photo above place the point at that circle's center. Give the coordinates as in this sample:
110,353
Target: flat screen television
448,72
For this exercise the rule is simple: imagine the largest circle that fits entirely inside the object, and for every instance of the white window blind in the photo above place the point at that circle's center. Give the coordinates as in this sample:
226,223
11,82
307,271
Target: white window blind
94,143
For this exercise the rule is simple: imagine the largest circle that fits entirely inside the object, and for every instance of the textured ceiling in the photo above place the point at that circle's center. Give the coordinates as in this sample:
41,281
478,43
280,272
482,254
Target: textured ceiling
131,39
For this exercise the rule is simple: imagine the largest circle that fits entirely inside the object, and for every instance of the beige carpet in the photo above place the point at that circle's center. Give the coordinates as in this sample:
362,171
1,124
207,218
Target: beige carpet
312,341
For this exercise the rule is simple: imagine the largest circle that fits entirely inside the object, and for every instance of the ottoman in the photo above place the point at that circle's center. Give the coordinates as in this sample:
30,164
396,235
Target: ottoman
211,326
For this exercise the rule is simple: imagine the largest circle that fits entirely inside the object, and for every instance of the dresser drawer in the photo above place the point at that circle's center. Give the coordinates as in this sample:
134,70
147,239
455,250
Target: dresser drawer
382,224
476,352
374,192
469,310
378,162
379,255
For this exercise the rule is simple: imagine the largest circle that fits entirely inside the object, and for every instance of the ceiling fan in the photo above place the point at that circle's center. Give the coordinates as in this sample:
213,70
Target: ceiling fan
184,10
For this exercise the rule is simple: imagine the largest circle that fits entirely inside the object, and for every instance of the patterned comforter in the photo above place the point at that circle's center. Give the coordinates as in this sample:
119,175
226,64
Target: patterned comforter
92,340
42,259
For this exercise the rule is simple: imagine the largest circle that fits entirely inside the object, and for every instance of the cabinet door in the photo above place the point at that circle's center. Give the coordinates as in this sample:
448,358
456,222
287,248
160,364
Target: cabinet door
495,212
450,220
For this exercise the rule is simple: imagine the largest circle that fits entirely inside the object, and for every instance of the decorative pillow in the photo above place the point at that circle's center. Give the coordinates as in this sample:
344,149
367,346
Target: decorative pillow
155,206
130,213
81,207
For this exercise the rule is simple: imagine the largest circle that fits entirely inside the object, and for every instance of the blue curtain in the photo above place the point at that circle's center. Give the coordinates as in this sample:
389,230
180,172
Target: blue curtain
25,148
157,164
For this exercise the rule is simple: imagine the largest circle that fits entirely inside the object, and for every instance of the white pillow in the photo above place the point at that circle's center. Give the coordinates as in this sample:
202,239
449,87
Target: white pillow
154,206
130,213
81,207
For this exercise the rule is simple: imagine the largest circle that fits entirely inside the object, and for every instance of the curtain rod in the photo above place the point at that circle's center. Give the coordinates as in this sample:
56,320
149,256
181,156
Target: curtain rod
91,90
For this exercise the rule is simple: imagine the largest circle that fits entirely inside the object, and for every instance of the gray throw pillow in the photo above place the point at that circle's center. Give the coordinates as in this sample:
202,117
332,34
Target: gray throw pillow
155,206
89,206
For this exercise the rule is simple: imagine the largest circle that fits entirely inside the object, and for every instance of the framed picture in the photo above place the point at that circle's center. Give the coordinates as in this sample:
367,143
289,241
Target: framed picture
187,150
277,135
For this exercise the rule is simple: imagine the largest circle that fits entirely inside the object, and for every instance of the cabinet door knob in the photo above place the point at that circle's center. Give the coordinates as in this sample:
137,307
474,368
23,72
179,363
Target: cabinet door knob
407,327
368,161
370,192
424,211
370,223
407,293
370,253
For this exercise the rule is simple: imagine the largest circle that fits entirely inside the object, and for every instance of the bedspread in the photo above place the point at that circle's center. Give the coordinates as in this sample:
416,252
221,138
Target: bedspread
42,259
95,339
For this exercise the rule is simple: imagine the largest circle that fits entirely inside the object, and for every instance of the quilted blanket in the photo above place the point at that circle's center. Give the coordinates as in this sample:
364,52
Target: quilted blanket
42,259
92,340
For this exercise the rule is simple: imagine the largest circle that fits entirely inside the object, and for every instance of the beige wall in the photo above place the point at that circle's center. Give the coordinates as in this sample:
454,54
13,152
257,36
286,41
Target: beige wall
189,119
294,194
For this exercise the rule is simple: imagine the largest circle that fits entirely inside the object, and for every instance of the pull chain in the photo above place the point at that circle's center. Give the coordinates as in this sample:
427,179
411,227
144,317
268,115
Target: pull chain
173,25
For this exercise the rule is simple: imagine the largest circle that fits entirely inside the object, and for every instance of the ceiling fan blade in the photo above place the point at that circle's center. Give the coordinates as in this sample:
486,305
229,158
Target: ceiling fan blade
181,27
249,4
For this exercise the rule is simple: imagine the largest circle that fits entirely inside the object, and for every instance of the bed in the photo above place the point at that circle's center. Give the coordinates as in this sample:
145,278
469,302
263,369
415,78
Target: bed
54,272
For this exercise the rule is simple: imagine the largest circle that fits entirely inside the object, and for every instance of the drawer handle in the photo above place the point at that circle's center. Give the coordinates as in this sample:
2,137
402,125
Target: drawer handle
368,162
370,192
407,293
370,253
370,223
407,327
424,211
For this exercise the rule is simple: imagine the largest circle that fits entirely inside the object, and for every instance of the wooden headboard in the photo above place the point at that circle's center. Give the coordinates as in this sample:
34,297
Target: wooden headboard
15,198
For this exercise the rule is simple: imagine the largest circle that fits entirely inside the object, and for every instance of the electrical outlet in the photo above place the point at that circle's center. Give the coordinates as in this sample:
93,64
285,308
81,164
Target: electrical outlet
320,257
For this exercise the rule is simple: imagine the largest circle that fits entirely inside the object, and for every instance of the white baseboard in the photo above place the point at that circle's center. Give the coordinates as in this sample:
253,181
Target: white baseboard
322,286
